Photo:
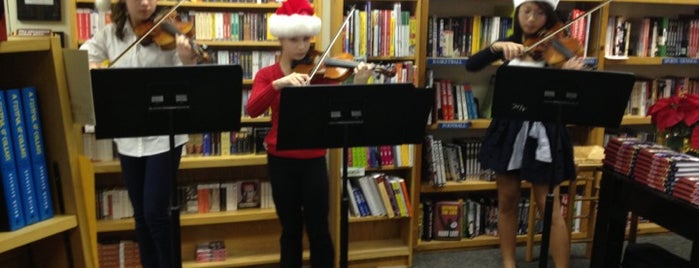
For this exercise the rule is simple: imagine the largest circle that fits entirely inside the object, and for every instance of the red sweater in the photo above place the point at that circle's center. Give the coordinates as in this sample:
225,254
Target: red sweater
264,96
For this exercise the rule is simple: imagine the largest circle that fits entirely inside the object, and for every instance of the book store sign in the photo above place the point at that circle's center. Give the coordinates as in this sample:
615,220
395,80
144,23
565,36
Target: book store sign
455,125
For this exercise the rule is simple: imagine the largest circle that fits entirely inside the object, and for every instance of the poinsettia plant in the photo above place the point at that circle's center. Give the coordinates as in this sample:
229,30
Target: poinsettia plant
678,114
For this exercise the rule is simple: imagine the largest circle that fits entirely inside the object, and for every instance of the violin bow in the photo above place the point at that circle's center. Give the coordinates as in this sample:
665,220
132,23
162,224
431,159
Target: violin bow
551,35
337,35
138,41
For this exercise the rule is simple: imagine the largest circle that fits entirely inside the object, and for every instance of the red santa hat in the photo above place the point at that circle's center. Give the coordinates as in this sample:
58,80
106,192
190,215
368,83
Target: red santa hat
295,18
553,3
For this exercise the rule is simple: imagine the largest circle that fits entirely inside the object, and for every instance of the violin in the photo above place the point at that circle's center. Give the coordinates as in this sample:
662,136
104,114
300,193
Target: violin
164,35
557,50
337,68
553,46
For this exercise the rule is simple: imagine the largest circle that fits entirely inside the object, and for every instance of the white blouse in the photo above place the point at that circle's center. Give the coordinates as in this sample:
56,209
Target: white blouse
104,45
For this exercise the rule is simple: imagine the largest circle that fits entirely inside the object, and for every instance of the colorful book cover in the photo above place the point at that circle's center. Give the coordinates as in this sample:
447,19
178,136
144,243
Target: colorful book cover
11,211
36,152
13,100
447,218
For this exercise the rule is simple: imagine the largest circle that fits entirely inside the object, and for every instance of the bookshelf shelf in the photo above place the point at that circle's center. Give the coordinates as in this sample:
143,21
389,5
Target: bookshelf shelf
256,120
377,249
650,228
479,241
375,218
246,215
24,44
652,61
635,120
242,259
475,185
37,231
460,124
193,162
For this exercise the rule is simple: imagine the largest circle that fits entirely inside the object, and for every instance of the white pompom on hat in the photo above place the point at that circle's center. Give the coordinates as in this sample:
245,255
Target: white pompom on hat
553,3
295,18
103,5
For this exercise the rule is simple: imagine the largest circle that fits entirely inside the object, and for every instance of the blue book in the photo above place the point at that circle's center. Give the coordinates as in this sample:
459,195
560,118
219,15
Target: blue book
11,211
36,152
23,164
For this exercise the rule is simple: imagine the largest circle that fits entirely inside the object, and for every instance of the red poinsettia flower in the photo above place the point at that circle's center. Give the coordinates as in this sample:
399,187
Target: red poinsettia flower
665,113
677,112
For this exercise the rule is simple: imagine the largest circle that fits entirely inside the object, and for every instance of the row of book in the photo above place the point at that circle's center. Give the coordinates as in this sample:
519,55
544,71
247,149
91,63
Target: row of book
249,61
25,184
451,161
472,217
381,156
248,140
465,36
653,36
114,203
373,32
118,254
654,165
647,91
454,101
378,195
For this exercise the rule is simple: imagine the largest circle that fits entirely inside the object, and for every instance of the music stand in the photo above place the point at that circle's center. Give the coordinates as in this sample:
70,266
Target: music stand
343,116
587,98
134,102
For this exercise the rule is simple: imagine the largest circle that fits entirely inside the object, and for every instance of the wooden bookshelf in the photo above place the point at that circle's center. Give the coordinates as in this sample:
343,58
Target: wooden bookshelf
635,120
192,162
242,259
37,231
244,215
38,62
479,241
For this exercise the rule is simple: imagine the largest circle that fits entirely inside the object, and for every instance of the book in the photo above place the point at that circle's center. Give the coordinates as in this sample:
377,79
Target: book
447,218
249,194
36,152
15,116
11,211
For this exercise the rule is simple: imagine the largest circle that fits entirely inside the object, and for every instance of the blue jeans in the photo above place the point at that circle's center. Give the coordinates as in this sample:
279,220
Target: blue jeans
300,192
149,185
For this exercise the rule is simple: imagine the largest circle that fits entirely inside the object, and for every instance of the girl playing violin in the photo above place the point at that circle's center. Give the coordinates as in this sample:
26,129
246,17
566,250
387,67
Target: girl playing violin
299,178
144,160
517,150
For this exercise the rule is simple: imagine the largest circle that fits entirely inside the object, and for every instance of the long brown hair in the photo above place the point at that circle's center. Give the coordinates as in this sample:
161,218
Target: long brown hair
120,16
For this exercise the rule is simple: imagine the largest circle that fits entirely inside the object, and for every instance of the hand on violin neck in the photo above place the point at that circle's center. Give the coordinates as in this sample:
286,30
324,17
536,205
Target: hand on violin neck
509,50
292,79
363,72
574,63
185,51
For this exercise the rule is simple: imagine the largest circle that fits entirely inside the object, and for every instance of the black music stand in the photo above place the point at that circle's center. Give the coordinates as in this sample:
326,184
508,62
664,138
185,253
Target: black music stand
134,102
343,116
587,98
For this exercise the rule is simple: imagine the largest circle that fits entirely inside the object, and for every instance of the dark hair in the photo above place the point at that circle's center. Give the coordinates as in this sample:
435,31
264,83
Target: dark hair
551,19
120,16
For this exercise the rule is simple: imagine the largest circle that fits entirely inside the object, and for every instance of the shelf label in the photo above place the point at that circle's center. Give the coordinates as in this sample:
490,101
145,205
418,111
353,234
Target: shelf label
454,125
354,172
680,61
446,61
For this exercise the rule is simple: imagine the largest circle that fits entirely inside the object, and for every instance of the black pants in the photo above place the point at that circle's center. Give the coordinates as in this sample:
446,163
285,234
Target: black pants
149,183
300,191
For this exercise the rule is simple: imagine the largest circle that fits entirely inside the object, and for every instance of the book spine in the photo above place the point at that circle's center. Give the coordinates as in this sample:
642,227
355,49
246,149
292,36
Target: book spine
14,218
36,152
22,161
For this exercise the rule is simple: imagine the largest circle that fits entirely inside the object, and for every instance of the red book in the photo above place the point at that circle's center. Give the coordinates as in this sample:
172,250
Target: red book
447,220
3,24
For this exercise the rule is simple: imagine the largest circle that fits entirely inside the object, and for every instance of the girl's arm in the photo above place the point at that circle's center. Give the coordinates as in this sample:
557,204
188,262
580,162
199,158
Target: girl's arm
261,96
485,57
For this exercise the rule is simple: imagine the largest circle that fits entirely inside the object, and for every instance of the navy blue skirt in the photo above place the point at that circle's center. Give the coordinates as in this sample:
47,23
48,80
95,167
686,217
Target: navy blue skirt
497,148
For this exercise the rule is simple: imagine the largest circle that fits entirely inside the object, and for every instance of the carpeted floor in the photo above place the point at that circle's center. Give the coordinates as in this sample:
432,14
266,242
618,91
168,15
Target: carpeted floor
490,257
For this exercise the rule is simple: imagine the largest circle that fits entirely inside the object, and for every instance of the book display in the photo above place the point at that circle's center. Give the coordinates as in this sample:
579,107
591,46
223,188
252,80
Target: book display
36,108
